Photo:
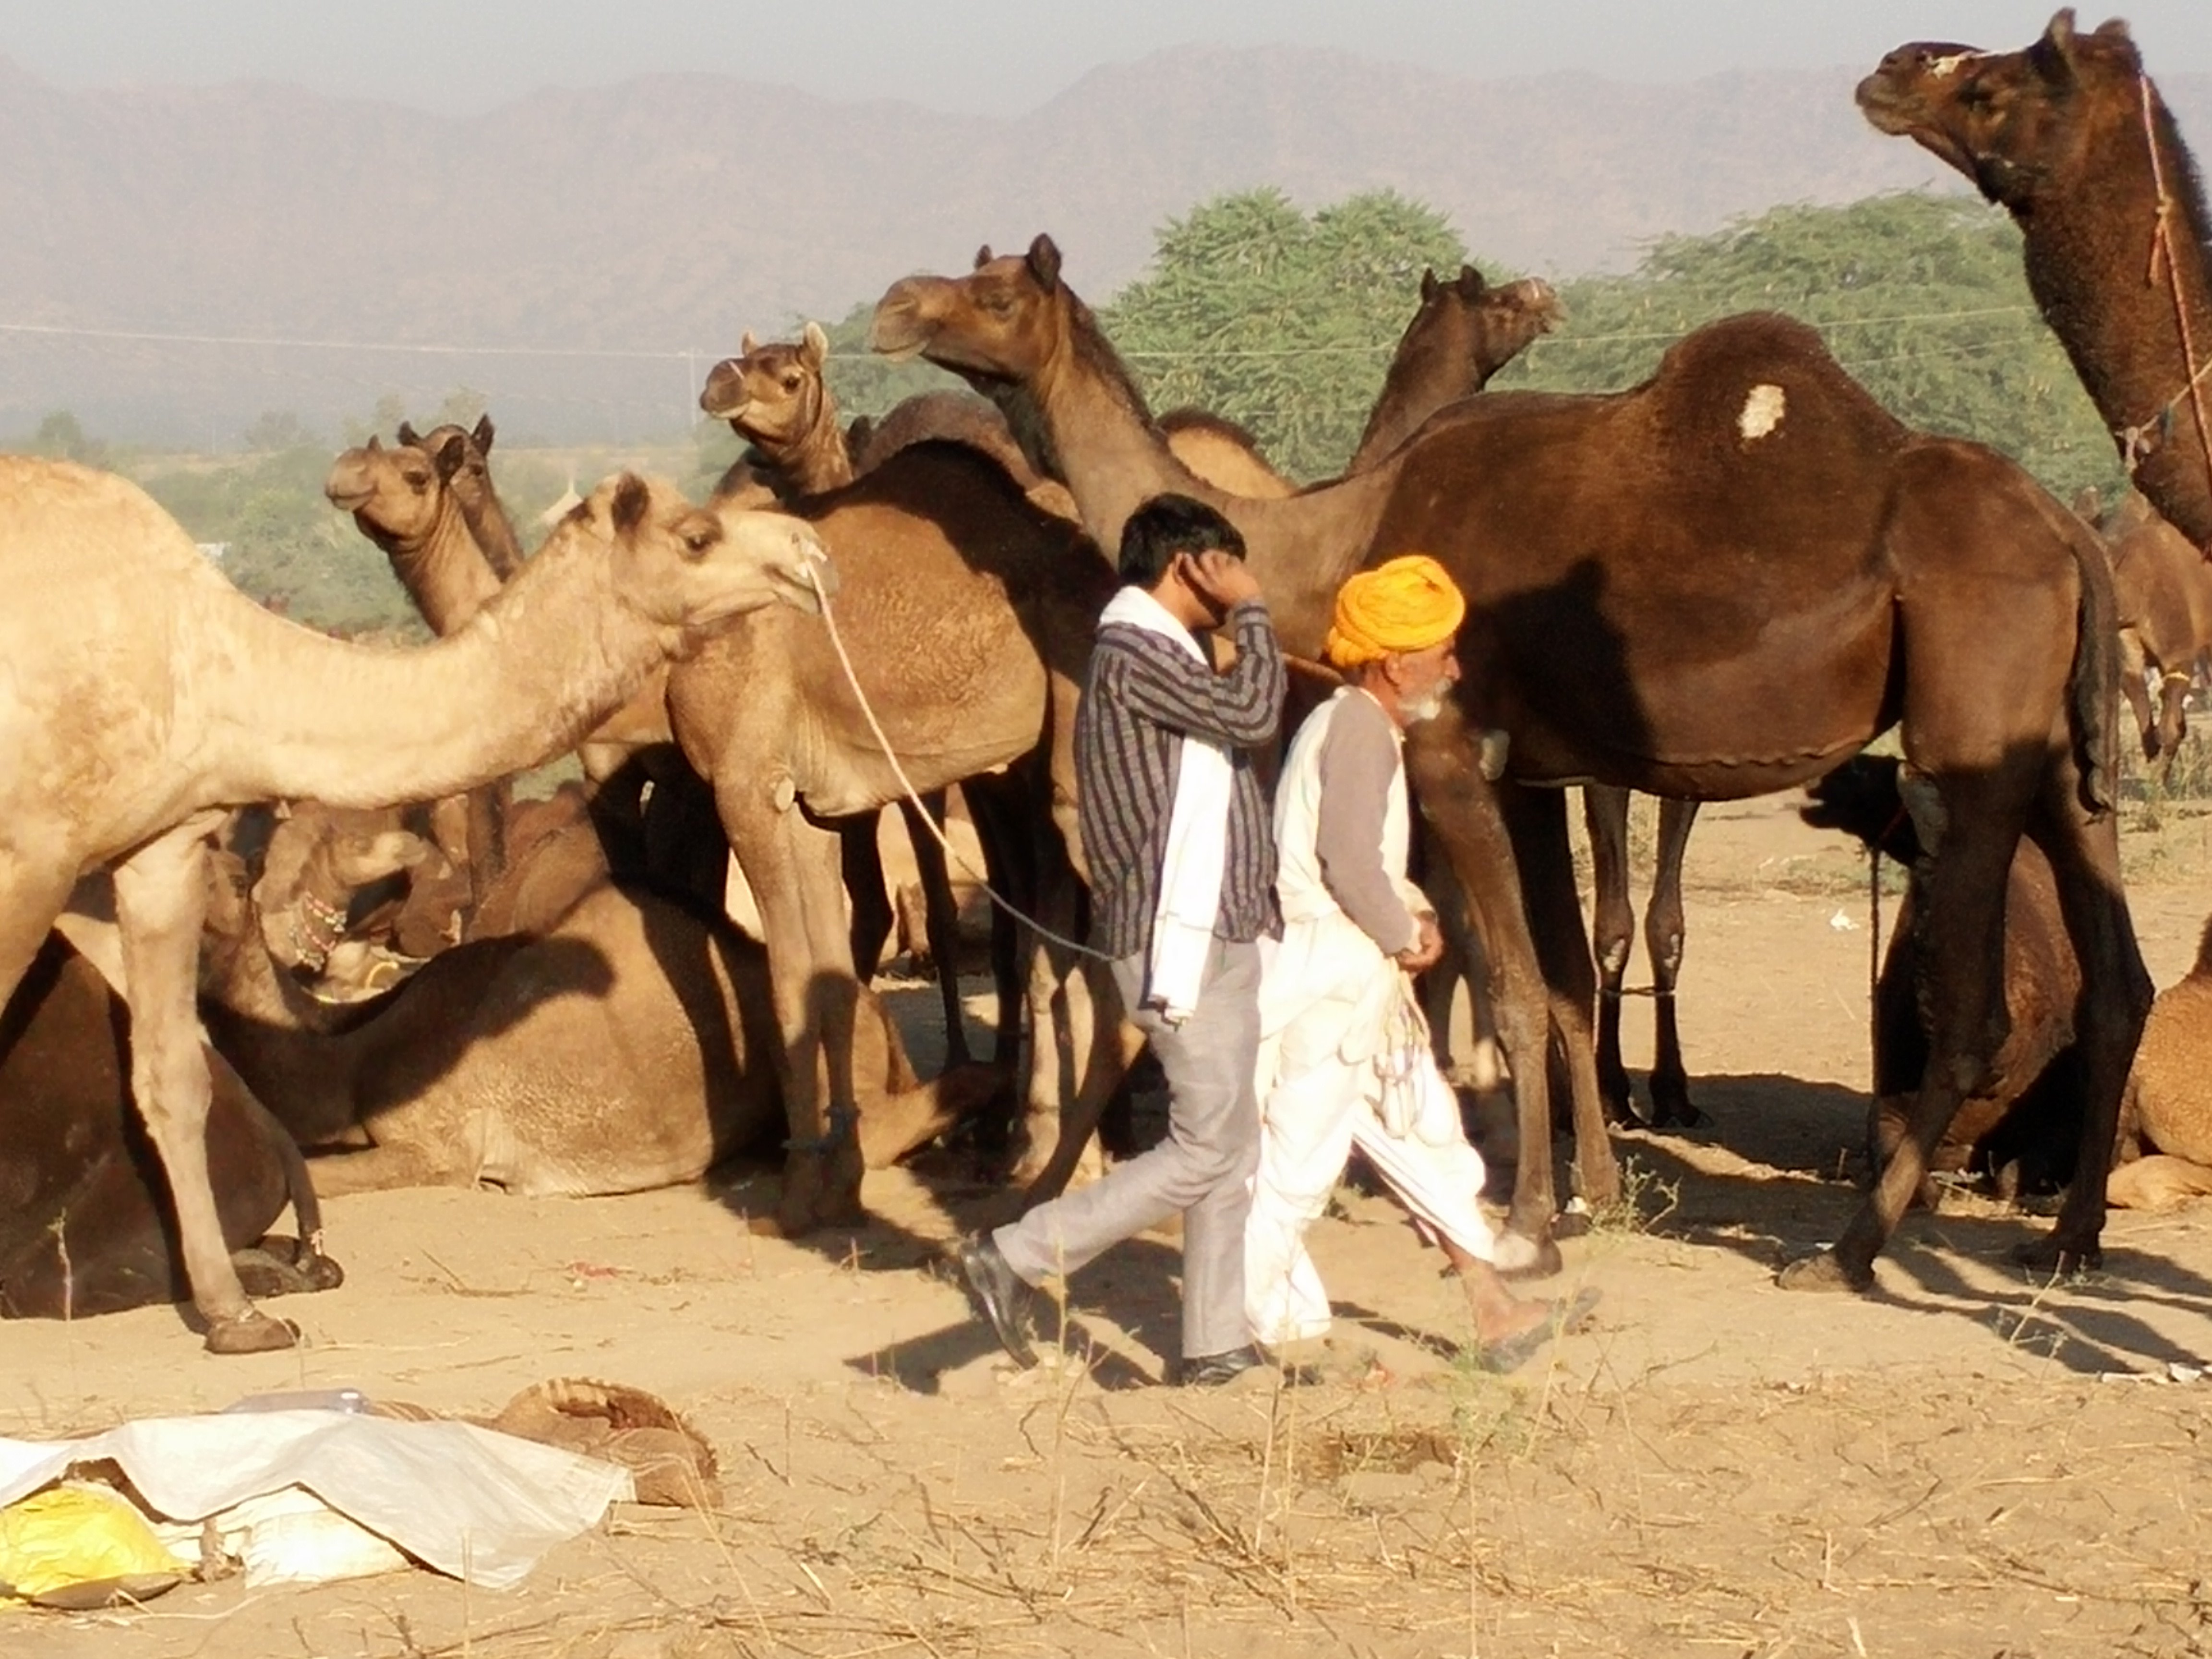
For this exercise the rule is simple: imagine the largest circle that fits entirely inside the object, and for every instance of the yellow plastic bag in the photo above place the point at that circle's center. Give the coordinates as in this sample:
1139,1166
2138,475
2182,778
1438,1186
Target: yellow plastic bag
68,1537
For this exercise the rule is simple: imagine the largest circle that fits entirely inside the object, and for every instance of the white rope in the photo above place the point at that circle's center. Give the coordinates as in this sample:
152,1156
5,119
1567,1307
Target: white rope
914,795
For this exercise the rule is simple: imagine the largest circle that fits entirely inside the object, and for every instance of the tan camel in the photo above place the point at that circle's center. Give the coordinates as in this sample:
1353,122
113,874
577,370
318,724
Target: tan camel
145,692
1716,585
2163,590
411,502
968,615
774,397
2073,139
622,1049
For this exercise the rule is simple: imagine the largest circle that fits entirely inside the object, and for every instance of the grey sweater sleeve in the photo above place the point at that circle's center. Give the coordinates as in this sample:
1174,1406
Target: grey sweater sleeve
1358,757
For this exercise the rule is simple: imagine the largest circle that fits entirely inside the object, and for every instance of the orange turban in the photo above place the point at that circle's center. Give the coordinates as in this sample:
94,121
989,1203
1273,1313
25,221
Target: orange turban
1408,604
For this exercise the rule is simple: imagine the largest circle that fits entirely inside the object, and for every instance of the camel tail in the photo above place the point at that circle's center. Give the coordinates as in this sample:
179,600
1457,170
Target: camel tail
2094,688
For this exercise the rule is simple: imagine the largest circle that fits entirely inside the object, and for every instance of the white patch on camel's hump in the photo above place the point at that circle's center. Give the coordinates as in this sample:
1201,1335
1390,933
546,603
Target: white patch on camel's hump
1762,411
1943,68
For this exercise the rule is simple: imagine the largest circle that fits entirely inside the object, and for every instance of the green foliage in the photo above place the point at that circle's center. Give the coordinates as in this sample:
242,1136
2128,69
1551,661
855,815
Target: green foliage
1280,321
278,429
282,542
62,437
1921,297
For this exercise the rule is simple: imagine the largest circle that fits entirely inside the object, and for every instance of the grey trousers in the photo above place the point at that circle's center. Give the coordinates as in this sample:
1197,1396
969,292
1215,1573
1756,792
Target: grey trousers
1203,1168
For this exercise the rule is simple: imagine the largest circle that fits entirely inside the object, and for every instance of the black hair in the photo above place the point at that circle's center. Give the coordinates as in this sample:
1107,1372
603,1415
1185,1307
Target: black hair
1166,525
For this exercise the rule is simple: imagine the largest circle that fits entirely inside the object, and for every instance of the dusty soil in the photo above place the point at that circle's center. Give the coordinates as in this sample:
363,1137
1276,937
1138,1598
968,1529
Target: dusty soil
1963,1462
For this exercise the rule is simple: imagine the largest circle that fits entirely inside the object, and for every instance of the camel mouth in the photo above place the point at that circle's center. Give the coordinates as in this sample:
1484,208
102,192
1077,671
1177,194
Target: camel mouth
348,498
1887,108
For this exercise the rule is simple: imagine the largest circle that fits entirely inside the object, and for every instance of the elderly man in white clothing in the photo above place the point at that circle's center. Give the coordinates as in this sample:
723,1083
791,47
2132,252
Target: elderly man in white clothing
1345,1060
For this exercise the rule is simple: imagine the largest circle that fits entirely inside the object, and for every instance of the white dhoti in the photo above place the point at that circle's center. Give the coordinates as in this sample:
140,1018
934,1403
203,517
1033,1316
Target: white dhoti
1340,1067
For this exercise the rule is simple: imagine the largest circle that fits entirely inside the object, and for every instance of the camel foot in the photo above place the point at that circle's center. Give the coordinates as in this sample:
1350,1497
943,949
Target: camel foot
1824,1270
283,1266
1520,1257
2054,1257
1617,1104
1679,1118
252,1332
1573,1222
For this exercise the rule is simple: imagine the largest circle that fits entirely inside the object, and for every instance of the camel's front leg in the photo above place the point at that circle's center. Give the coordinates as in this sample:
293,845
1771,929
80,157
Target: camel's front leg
1463,809
793,867
161,897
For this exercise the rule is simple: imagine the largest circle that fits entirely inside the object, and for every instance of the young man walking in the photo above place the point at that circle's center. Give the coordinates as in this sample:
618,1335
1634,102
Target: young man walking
1175,830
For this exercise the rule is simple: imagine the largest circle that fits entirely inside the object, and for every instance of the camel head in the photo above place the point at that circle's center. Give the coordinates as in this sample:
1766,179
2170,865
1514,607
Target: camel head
317,858
398,494
463,457
2008,120
773,395
690,568
1001,324
1466,321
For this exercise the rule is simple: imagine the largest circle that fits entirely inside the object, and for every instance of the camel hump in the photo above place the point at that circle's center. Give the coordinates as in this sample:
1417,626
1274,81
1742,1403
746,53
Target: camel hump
1748,379
2201,967
959,417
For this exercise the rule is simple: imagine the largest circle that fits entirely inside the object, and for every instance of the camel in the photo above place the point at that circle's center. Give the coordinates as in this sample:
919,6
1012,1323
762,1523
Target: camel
145,693
2071,137
409,502
2021,1121
2164,592
617,1051
85,1226
968,615
2166,1106
1717,584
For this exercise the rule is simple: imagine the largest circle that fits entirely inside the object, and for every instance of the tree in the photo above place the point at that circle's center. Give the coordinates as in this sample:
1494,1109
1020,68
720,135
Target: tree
60,436
278,429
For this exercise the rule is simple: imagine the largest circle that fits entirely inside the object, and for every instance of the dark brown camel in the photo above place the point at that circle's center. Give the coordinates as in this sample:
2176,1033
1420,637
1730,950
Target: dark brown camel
2163,591
1716,585
86,1224
2073,139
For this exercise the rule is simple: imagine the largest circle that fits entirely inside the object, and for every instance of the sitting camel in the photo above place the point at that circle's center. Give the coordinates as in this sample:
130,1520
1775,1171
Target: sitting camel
145,693
86,1224
620,1050
1719,583
2168,1108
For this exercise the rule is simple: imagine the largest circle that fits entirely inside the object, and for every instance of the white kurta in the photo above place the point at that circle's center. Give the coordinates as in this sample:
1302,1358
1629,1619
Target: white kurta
1343,1062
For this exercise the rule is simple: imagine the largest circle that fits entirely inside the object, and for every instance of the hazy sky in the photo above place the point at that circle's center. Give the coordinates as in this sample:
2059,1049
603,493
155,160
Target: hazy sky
1004,55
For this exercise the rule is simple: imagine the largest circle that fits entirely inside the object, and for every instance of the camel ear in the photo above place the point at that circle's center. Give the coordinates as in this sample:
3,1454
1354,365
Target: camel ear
2053,55
483,434
814,347
407,434
450,456
631,502
983,256
375,445
1428,283
1045,262
1472,282
746,344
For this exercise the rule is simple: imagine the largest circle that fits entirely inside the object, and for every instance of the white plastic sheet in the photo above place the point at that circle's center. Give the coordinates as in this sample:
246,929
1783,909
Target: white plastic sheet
469,1502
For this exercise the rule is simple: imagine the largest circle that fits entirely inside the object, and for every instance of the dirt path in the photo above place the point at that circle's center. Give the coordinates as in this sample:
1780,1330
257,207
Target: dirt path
1964,1462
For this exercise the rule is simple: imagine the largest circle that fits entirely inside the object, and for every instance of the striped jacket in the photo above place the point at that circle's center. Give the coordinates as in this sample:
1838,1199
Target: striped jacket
1142,696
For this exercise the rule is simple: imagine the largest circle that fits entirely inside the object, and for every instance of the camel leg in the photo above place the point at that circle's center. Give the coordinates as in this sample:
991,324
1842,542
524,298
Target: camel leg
1613,934
791,865
861,865
2172,718
1663,935
161,898
1537,821
2135,671
2085,856
1464,810
1007,822
944,919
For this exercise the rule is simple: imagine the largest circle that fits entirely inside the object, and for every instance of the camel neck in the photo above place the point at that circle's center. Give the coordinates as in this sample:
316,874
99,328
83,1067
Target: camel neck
493,530
1114,460
283,712
818,460
444,570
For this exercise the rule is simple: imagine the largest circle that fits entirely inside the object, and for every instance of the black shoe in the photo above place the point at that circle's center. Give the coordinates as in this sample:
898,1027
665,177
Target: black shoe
998,1294
1215,1371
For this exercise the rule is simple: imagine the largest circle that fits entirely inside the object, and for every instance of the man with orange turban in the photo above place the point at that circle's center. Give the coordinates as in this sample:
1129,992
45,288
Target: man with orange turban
1345,1057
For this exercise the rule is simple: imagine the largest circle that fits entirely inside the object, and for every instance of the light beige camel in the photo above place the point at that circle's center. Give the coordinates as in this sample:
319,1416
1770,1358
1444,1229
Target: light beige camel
1661,599
623,1048
143,693
2167,1108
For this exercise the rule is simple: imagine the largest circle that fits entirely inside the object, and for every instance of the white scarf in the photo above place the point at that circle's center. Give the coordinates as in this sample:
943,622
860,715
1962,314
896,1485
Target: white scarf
1198,835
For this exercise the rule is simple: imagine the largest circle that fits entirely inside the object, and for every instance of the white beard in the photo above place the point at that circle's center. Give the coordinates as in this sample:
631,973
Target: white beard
1427,707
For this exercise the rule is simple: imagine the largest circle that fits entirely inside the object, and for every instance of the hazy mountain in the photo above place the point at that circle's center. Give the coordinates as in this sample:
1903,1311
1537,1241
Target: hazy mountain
660,217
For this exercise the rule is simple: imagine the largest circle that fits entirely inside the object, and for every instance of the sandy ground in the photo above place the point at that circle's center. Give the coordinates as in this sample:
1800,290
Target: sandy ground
1963,1462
